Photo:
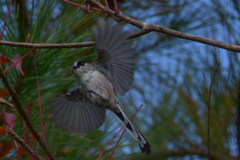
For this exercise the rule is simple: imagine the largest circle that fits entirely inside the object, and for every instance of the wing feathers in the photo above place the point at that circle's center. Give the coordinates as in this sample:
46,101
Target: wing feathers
77,115
116,56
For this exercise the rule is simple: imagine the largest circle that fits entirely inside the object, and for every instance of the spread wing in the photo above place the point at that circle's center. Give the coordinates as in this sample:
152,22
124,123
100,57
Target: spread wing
115,56
72,113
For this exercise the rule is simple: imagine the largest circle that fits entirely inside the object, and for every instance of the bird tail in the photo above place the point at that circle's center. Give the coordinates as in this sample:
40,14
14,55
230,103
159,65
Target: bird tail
136,134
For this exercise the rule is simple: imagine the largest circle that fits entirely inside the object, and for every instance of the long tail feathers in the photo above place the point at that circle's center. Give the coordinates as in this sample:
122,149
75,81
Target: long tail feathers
136,134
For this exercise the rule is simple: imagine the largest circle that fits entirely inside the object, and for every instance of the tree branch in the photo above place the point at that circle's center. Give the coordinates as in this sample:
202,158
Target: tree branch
63,45
23,114
22,142
146,28
150,27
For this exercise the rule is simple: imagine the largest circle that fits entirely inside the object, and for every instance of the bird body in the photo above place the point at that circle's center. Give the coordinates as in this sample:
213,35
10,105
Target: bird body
83,109
92,80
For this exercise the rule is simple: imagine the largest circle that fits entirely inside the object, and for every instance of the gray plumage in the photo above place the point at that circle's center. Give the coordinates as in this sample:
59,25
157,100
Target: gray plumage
83,109
73,113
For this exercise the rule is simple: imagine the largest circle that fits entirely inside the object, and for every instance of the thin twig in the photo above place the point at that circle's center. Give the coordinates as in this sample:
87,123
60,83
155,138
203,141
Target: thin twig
115,6
106,3
22,142
115,135
109,142
16,149
209,109
6,20
23,114
19,60
39,102
115,147
35,45
63,45
76,4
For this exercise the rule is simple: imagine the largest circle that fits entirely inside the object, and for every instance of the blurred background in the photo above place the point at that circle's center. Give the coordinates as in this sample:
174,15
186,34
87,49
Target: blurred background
172,78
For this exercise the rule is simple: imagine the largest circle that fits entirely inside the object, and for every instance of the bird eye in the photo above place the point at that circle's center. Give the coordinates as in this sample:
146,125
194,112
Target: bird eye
80,63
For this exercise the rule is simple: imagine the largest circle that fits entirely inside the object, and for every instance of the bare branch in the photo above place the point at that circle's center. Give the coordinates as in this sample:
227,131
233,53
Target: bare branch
146,28
23,143
23,114
150,27
32,45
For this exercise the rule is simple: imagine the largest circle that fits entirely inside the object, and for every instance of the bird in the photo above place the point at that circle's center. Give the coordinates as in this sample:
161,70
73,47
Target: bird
84,109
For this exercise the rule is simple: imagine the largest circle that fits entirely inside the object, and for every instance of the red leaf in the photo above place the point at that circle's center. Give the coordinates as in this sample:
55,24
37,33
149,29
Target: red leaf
4,93
33,137
4,60
5,147
10,119
19,64
2,130
21,151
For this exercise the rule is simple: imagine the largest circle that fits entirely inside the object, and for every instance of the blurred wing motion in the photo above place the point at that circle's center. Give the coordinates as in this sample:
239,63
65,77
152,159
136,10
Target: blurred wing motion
115,55
72,113
136,134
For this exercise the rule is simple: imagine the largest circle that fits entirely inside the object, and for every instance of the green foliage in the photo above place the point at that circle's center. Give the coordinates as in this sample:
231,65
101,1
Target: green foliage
172,80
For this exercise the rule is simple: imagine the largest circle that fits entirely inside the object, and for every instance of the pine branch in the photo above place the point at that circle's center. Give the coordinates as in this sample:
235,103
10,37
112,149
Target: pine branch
23,114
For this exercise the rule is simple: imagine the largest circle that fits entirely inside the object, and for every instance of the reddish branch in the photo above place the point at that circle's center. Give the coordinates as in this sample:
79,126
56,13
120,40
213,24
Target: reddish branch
100,155
81,6
15,147
115,147
18,61
23,114
6,19
39,104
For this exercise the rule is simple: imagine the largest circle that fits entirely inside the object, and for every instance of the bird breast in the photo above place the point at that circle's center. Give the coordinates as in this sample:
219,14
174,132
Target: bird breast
95,81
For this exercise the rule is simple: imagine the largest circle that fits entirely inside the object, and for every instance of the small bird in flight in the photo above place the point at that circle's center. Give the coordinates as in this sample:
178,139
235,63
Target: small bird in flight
83,109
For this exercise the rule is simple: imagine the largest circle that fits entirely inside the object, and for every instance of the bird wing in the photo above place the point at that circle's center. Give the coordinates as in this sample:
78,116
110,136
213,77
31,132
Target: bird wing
116,58
71,112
